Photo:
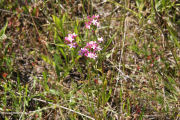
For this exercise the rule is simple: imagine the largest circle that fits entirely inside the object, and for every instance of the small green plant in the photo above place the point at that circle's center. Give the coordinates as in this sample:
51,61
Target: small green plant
76,45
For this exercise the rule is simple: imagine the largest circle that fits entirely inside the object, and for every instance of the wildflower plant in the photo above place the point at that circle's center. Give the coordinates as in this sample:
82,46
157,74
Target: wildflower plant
78,46
92,22
83,43
91,47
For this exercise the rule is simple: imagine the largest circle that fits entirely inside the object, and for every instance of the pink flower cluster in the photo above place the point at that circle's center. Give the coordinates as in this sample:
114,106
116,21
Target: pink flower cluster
92,47
70,40
94,20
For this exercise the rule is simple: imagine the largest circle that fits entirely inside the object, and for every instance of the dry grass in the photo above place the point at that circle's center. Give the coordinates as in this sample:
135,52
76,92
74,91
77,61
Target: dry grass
136,76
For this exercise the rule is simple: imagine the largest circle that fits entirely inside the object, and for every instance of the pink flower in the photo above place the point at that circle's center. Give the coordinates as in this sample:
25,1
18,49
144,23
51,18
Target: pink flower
97,16
94,22
70,37
88,17
90,49
91,44
83,51
93,17
74,35
88,25
100,39
72,45
98,24
91,55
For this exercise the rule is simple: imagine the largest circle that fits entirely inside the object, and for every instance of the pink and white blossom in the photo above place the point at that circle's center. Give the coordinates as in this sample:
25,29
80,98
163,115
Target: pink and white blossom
70,37
83,51
91,44
74,35
94,22
91,55
88,26
72,45
100,39
97,16
98,24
